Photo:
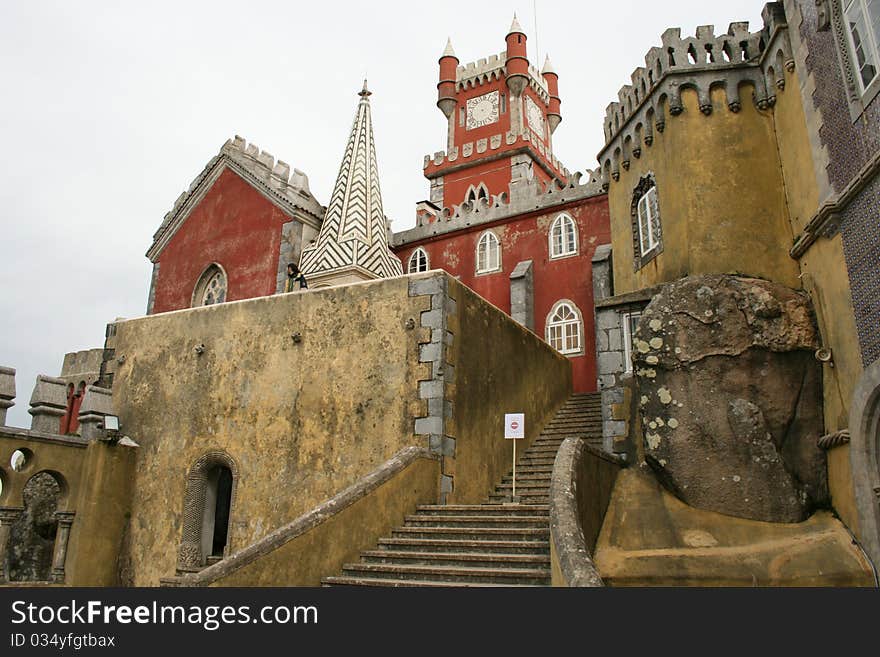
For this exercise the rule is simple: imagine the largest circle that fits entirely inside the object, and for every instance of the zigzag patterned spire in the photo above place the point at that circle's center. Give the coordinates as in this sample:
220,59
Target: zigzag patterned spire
354,235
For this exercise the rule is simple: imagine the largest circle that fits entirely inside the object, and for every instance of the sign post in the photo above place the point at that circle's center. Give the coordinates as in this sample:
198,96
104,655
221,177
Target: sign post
514,429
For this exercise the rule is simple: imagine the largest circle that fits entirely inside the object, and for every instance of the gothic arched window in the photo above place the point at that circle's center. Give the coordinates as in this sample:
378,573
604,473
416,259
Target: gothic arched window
565,328
488,253
418,261
563,237
211,288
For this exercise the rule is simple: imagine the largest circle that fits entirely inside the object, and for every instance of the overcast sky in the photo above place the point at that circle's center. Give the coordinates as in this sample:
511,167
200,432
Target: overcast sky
109,110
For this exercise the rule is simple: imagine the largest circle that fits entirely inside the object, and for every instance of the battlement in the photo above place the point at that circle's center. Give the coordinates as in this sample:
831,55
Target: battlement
483,71
475,150
701,62
49,403
523,196
275,179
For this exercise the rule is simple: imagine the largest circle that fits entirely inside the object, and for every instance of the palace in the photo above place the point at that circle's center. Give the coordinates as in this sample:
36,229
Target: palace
690,330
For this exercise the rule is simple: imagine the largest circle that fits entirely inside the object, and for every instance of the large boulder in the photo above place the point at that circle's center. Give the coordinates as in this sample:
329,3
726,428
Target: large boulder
730,397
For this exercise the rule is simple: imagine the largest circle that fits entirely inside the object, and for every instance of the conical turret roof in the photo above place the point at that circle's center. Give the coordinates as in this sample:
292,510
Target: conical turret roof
354,234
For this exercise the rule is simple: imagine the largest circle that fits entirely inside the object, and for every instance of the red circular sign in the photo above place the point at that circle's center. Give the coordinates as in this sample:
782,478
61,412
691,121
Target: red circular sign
514,425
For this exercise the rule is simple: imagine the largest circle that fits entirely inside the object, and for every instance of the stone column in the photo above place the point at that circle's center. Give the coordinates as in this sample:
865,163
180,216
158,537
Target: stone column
48,404
96,405
189,556
8,516
7,392
522,295
65,520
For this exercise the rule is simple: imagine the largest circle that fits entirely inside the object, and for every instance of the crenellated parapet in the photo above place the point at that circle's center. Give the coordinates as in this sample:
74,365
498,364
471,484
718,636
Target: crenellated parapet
273,178
522,197
488,69
701,63
438,164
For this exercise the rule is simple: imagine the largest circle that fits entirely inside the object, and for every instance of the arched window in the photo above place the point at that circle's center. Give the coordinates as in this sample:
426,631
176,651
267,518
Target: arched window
211,287
563,237
418,261
477,193
646,225
488,253
207,508
565,328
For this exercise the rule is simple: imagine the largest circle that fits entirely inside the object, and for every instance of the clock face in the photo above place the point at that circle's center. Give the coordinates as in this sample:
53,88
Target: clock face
482,110
535,116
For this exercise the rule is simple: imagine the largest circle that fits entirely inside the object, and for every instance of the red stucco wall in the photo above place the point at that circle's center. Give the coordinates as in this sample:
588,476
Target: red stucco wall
233,226
527,238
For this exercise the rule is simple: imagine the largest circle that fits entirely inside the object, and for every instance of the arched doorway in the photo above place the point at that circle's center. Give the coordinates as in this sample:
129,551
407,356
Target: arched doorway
864,426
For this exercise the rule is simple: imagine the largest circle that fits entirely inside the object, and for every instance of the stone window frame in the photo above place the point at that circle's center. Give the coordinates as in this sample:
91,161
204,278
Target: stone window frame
563,221
549,324
190,556
626,336
483,243
419,262
831,17
210,272
475,194
642,189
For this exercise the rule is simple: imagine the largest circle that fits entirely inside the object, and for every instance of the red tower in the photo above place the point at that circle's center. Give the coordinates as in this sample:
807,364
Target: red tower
502,113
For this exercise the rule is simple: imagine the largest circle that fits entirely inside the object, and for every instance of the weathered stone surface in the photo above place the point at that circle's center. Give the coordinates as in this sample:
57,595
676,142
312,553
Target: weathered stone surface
730,397
32,539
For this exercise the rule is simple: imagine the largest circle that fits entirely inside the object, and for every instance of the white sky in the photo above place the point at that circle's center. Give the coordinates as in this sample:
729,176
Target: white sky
109,110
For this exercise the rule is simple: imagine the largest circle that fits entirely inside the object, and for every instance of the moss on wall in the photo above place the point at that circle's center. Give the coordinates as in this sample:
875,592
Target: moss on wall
301,420
721,196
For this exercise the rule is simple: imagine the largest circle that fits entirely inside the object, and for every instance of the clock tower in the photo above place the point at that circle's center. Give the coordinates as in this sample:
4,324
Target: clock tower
501,113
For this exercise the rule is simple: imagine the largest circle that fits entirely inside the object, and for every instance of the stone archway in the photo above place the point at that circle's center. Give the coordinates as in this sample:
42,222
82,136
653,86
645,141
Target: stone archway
199,535
864,426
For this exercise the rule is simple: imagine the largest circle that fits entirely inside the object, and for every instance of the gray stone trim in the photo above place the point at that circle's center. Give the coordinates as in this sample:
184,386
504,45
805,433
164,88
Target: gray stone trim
566,530
290,192
7,392
522,295
289,251
639,296
857,100
832,440
96,405
151,299
826,222
603,275
433,426
16,433
864,428
48,404
524,197
317,516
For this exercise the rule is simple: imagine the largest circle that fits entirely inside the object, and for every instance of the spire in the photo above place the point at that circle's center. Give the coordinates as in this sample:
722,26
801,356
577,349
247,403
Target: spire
353,242
548,67
449,52
515,27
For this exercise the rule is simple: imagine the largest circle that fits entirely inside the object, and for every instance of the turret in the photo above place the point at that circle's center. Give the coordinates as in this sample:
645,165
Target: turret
554,117
517,59
446,100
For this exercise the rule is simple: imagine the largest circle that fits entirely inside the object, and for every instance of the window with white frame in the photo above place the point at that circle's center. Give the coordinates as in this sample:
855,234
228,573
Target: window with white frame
862,19
565,328
488,253
563,237
418,261
630,323
649,221
646,226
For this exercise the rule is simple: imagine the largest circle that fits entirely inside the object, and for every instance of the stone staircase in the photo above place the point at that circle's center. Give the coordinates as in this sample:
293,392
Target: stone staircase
497,543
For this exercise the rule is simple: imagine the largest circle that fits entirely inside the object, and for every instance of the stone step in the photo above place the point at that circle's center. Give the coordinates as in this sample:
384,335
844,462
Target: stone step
453,546
525,486
466,559
480,509
475,533
397,583
496,498
541,449
523,477
496,575
529,462
534,469
487,521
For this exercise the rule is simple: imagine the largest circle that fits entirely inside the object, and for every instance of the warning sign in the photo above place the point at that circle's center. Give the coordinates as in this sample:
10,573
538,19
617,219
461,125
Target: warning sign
514,426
